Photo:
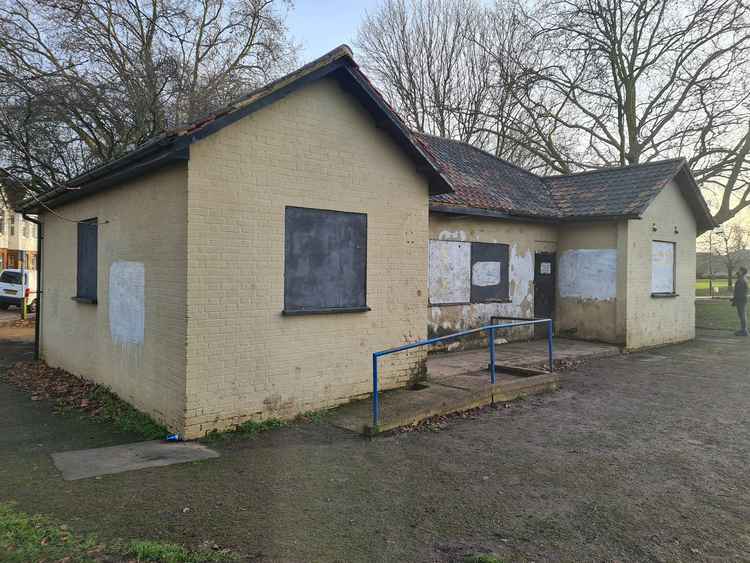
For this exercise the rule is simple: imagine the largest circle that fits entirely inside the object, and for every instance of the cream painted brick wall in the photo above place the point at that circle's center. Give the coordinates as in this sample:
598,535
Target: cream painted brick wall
524,239
654,321
316,148
146,222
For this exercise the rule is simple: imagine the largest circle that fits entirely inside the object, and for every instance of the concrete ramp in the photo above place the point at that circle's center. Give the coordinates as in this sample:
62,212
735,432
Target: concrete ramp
82,464
459,381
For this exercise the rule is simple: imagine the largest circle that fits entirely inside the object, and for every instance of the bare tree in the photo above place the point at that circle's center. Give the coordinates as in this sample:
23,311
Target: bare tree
431,59
629,81
733,240
83,81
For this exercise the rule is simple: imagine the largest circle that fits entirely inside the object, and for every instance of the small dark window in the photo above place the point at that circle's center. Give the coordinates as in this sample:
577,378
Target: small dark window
325,261
87,264
11,278
489,272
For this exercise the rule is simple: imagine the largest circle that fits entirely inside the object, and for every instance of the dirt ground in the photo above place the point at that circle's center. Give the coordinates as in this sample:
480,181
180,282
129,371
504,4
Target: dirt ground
639,457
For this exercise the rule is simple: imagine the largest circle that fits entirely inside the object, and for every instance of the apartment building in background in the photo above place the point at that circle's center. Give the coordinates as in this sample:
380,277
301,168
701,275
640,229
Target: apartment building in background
18,241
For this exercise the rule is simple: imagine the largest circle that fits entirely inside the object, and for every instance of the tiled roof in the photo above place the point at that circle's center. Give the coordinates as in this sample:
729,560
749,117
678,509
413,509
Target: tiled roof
483,182
613,191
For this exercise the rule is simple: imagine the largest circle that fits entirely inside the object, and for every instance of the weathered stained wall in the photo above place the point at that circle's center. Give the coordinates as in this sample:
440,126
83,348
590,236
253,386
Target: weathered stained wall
316,148
587,287
524,240
133,339
652,320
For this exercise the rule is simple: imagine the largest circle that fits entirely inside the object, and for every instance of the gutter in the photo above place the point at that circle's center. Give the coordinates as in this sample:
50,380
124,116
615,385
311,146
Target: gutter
39,280
550,220
71,192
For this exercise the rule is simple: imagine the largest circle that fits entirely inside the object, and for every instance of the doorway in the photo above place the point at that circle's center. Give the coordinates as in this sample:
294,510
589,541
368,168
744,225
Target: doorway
544,290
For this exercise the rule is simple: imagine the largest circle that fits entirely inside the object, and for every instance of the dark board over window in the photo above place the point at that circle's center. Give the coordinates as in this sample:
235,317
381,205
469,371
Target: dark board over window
87,263
325,261
489,272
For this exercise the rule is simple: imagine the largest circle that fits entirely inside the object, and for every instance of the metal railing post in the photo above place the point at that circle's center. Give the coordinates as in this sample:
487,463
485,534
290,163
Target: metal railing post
490,329
375,398
492,355
549,344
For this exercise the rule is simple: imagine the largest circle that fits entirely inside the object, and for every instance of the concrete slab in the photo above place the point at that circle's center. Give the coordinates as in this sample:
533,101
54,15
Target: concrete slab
531,354
82,464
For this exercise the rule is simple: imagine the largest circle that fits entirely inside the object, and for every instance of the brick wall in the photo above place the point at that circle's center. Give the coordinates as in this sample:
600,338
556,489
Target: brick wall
653,321
315,148
144,221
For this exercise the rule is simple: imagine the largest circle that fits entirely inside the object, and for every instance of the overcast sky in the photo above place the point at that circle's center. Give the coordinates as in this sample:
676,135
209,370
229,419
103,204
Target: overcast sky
321,25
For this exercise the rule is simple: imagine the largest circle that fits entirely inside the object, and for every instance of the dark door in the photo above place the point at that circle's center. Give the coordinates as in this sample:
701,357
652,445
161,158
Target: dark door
544,289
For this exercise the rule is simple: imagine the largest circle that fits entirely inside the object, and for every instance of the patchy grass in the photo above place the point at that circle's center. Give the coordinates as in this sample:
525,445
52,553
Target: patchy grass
313,417
482,558
246,429
26,538
716,314
34,538
171,553
126,417
721,287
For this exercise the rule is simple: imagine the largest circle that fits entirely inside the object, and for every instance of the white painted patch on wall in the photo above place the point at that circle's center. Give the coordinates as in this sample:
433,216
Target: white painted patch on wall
450,271
485,274
452,235
662,267
127,282
588,274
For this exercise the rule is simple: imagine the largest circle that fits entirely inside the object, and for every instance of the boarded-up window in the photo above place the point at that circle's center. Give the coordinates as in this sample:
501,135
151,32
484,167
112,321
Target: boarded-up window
468,272
87,263
588,273
325,261
662,267
450,272
489,272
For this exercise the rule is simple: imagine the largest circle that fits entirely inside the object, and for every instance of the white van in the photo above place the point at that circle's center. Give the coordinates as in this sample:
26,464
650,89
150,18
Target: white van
14,285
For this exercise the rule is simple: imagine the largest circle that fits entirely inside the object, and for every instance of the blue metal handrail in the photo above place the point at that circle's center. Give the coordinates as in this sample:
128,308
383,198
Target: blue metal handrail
490,328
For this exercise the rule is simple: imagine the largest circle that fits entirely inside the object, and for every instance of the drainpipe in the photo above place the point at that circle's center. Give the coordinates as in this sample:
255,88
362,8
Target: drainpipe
38,323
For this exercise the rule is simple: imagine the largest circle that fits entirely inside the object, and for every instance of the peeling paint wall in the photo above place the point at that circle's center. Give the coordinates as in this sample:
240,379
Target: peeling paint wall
449,271
523,239
588,281
588,274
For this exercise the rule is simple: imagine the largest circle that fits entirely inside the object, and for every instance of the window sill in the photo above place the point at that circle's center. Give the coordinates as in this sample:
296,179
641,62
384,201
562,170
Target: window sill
664,295
470,303
84,300
332,311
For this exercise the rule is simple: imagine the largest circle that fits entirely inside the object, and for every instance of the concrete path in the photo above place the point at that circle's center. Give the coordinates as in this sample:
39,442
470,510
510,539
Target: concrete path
11,317
639,457
81,464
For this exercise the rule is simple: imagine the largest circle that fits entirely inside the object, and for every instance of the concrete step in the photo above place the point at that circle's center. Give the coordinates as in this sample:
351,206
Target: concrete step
440,396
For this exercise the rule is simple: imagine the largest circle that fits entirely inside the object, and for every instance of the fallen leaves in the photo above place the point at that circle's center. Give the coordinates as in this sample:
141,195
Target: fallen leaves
45,383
